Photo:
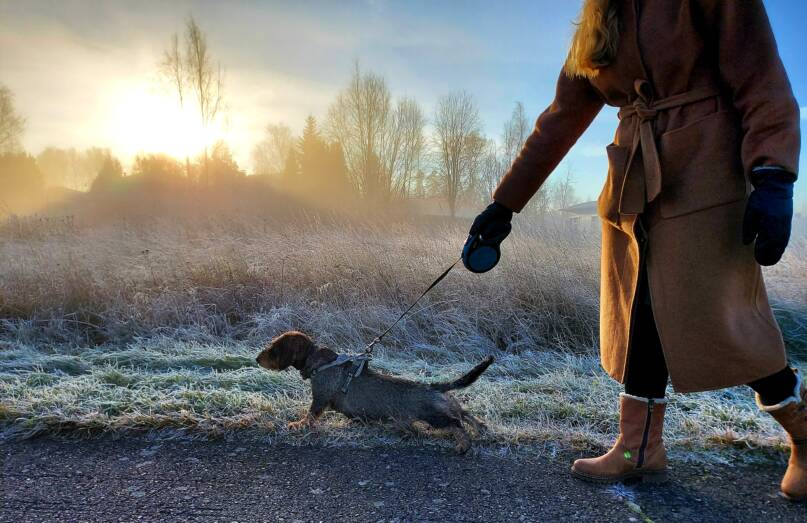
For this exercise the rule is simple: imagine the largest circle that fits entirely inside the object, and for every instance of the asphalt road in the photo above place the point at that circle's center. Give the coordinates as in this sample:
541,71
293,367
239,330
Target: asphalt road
138,480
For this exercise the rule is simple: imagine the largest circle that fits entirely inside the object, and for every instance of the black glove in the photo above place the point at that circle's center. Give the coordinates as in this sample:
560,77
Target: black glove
769,213
481,250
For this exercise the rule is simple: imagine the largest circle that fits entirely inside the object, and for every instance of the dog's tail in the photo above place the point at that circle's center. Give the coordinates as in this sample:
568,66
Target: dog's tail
465,380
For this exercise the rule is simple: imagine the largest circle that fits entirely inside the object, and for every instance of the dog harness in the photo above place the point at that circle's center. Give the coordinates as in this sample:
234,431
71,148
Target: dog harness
358,363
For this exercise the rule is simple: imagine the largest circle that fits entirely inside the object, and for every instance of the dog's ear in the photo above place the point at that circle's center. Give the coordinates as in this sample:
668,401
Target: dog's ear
291,349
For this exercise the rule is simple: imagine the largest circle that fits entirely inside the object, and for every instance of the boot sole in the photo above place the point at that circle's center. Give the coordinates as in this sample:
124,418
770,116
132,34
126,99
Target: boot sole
793,499
645,476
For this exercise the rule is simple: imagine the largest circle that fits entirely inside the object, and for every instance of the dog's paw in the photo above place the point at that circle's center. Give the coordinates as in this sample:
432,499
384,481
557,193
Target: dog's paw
299,425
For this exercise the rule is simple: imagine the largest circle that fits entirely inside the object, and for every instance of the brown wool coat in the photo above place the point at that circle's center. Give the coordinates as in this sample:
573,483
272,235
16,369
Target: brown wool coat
704,100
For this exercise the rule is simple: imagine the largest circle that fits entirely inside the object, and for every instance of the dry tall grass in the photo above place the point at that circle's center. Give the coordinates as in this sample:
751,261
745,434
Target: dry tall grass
154,325
344,280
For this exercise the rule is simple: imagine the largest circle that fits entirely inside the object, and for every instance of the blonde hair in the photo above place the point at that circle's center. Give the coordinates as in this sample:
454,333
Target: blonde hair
595,39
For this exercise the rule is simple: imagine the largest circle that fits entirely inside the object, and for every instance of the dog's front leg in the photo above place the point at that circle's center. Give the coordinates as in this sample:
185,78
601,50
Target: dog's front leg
314,412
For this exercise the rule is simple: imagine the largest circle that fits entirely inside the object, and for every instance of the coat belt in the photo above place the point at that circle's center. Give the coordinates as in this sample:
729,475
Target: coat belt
647,110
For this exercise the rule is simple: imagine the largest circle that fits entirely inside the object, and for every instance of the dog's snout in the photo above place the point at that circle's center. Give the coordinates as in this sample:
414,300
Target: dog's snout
258,359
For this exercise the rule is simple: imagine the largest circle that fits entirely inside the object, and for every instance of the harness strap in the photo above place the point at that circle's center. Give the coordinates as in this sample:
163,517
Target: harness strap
359,362
340,360
355,374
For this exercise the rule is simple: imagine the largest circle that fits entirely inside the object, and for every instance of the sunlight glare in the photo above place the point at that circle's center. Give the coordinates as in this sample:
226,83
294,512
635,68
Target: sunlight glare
146,119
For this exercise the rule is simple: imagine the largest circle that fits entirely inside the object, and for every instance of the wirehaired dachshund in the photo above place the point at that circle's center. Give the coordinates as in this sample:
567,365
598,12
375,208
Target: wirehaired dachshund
371,395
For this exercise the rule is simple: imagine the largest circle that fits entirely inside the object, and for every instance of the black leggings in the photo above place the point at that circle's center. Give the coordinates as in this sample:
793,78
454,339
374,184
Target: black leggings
646,373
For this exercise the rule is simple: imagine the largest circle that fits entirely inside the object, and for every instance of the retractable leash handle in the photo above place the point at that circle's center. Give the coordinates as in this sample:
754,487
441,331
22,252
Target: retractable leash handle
480,254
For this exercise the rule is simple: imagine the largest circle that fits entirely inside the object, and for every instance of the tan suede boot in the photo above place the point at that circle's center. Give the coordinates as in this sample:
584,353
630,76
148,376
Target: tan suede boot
638,451
792,416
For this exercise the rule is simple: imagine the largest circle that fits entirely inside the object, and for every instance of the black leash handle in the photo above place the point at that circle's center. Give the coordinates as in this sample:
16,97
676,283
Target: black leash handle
368,350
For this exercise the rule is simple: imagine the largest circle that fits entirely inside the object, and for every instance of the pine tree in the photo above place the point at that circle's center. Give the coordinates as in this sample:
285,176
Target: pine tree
109,175
337,182
312,159
291,171
322,173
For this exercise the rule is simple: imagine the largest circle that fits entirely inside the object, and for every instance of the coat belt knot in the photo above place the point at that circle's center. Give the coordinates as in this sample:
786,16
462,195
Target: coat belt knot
641,109
644,134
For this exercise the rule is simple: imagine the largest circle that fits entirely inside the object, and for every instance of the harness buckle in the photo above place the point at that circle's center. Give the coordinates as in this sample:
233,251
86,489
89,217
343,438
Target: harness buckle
354,373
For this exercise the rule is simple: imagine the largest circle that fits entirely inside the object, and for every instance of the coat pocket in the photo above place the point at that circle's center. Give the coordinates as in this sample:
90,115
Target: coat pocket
608,201
701,165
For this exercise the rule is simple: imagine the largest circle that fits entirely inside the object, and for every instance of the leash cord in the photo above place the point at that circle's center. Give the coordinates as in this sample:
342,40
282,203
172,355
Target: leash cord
368,350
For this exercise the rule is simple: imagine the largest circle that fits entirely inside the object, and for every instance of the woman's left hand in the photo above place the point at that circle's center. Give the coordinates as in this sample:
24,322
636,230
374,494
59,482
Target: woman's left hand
769,214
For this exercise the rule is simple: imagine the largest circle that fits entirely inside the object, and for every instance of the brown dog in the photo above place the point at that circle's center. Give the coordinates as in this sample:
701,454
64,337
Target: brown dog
371,396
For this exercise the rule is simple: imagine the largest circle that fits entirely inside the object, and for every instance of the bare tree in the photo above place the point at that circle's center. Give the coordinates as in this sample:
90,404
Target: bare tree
456,127
12,125
409,124
541,201
390,148
474,187
383,144
515,133
72,168
491,169
270,154
433,185
563,194
360,119
173,71
204,79
419,190
194,76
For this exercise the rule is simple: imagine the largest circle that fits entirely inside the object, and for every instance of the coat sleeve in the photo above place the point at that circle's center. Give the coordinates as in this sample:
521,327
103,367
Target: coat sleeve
750,67
556,130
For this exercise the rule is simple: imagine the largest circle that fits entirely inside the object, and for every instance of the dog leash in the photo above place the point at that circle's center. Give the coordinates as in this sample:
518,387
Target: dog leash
359,361
368,350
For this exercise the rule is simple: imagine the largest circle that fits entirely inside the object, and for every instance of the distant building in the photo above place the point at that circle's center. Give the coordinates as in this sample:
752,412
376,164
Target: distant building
581,215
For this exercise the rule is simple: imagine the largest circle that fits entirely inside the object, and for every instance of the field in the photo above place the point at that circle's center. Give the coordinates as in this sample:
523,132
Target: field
153,325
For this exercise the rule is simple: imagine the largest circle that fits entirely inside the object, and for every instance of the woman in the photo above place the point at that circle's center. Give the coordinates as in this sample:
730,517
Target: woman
706,117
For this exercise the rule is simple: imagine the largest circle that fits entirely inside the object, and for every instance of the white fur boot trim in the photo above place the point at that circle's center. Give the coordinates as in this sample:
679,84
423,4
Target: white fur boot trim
643,400
795,398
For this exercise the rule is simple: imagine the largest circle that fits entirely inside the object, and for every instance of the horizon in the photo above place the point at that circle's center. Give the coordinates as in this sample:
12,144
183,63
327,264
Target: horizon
284,62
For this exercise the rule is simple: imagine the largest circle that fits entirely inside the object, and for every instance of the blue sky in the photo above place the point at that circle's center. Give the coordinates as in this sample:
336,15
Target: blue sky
285,60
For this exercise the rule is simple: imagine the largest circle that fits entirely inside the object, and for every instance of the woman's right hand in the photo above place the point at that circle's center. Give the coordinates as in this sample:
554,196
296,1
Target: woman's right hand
481,250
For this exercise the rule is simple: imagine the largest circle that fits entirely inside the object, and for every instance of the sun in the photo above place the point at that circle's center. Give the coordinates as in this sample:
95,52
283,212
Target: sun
148,119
